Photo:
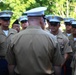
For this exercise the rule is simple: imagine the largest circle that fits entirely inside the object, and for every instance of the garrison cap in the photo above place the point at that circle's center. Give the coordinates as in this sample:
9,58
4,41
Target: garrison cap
39,11
73,23
22,18
53,18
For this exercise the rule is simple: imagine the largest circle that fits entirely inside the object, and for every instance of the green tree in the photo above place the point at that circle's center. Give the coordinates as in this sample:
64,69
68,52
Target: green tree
63,8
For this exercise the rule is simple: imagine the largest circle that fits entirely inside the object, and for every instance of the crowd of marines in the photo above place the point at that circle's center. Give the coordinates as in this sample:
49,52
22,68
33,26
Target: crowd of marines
28,48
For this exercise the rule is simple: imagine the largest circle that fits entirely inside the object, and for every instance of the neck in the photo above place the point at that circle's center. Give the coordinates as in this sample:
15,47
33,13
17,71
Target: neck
68,31
54,33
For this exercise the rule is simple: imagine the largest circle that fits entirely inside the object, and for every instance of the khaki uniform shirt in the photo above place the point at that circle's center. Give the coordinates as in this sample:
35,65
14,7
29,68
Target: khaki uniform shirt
34,52
63,42
66,34
73,45
5,40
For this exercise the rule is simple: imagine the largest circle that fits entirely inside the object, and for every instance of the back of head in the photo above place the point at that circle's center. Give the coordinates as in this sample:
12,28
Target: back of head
35,15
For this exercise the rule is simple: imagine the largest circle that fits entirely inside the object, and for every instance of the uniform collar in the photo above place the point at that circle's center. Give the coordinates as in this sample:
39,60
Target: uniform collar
71,37
59,35
34,27
10,31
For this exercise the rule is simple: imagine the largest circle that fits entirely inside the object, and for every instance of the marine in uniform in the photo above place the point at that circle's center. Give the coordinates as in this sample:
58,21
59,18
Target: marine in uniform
34,51
67,32
24,21
72,39
16,25
5,37
63,41
68,27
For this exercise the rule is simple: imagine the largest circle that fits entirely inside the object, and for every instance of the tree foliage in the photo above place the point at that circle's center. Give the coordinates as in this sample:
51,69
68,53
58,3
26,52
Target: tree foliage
63,8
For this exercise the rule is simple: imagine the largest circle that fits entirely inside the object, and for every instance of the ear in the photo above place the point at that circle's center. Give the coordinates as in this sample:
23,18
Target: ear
59,25
1,21
41,23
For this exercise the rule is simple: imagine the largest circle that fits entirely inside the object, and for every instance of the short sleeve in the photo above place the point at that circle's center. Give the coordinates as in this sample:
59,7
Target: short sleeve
57,58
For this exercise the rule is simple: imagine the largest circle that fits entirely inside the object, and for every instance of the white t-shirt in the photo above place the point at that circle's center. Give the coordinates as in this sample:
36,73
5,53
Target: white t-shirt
55,37
6,32
68,34
74,39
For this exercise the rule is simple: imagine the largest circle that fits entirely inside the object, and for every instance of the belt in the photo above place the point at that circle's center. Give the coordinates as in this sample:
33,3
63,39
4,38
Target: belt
41,74
17,74
2,57
52,74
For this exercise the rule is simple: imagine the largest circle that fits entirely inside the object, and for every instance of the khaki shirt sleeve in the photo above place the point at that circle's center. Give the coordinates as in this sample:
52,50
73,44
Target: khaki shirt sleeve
10,56
67,48
57,58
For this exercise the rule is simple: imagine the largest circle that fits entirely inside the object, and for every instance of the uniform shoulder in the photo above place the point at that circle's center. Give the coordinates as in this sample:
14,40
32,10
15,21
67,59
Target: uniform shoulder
64,36
51,36
13,30
15,38
64,32
70,37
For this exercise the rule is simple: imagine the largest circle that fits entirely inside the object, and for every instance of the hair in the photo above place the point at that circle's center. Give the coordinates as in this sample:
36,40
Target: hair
15,22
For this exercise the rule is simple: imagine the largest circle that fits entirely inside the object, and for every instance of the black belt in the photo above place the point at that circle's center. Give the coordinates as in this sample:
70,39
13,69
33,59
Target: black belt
17,74
41,74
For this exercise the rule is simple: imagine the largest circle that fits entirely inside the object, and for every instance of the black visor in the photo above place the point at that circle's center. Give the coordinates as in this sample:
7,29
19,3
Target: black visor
23,21
54,23
67,23
5,18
